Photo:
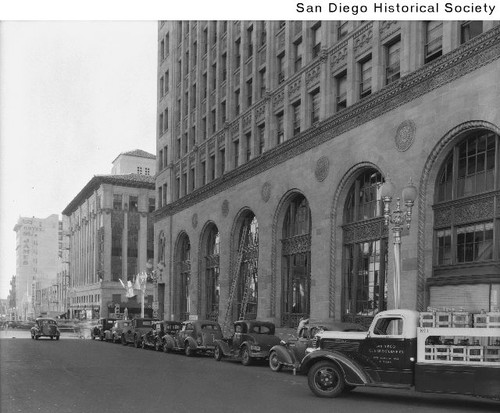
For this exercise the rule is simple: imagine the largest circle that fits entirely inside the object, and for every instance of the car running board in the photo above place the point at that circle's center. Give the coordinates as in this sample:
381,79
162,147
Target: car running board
389,385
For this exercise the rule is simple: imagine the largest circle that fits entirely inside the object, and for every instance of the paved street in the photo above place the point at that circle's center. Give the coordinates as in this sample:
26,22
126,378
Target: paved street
81,375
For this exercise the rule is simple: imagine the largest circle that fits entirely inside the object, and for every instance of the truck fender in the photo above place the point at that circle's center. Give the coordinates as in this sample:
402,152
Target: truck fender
223,346
191,342
283,354
354,373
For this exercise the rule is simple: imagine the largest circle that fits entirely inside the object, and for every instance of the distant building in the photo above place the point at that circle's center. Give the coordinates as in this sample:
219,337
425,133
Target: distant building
38,249
134,162
274,139
111,237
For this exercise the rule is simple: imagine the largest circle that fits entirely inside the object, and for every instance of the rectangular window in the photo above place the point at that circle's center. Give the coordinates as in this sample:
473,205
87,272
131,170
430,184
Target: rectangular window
205,40
298,52
165,156
167,44
341,86
162,86
342,29
263,33
133,203
365,83
165,120
296,118
203,173
165,192
261,129
161,165
444,246
223,112
315,105
212,168
249,92
237,102
214,76
433,40
204,127
281,68
262,82
179,146
470,29
280,128
178,186
139,170
316,40
248,143
160,123
475,242
204,85
162,50
214,121
224,67
236,152
117,201
193,96
237,53
195,54
160,197
222,156
392,71
250,41
167,78
147,171
192,180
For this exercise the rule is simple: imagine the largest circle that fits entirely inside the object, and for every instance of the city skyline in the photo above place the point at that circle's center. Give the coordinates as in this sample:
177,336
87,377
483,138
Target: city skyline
69,108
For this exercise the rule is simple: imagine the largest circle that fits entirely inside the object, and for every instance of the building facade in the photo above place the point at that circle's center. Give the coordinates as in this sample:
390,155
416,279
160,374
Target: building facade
111,239
38,250
274,140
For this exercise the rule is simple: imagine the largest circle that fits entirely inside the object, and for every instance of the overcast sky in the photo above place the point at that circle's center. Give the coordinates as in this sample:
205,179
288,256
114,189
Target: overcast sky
73,95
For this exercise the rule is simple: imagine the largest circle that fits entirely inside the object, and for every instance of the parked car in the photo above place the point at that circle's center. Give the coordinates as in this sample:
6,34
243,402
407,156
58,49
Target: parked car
45,327
290,353
194,337
251,340
98,331
115,333
134,332
155,337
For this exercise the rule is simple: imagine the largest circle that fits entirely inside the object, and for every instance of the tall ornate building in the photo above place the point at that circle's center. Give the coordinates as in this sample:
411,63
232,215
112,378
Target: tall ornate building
274,140
111,238
38,250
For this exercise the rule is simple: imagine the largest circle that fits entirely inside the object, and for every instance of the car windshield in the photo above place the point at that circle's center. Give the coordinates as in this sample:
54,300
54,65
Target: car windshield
144,323
262,330
108,323
46,322
172,327
210,327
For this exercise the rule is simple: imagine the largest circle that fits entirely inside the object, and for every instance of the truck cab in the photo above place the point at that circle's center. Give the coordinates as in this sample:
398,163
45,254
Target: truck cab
384,356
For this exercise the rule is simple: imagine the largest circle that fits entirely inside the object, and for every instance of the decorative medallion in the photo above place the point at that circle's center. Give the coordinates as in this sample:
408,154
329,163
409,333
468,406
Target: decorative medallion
194,220
265,192
322,168
225,208
405,135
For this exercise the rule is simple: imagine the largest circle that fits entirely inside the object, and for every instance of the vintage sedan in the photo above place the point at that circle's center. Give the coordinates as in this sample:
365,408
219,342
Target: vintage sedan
194,337
155,338
45,327
115,333
98,331
251,340
290,353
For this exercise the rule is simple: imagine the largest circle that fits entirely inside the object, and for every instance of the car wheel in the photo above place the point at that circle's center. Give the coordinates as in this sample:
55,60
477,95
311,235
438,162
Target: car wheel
137,342
124,341
218,353
32,336
57,337
166,348
188,351
274,362
37,337
325,379
157,345
92,336
143,344
101,337
51,337
246,360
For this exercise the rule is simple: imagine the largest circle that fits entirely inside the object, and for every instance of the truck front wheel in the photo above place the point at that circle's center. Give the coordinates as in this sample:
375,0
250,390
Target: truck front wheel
325,379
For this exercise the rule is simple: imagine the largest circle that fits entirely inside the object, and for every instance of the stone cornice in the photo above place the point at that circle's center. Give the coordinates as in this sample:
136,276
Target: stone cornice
459,62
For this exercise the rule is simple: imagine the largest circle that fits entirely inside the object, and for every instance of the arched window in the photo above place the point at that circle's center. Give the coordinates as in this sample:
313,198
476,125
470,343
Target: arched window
364,291
212,284
182,306
466,222
248,281
296,262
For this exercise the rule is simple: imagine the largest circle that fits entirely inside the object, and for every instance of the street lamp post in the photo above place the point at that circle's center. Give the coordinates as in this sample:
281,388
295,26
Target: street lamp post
398,218
142,283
